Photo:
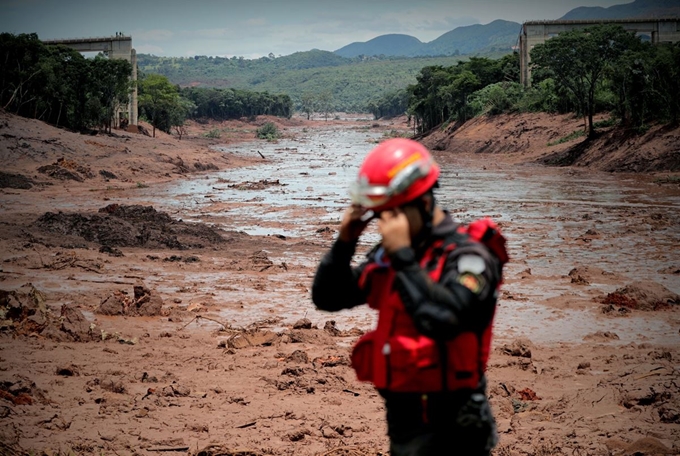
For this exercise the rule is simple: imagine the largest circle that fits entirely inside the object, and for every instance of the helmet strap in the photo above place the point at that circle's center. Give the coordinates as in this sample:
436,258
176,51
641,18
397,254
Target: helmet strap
427,216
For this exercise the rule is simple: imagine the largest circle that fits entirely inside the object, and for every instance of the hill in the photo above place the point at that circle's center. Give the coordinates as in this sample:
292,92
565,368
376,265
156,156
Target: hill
389,45
352,82
498,35
637,9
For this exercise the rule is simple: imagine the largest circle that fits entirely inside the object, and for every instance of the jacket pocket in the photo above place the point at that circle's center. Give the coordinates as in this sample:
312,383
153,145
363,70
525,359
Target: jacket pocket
362,357
415,364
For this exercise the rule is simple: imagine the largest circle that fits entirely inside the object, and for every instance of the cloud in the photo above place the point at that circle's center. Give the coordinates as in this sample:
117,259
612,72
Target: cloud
148,49
153,35
256,22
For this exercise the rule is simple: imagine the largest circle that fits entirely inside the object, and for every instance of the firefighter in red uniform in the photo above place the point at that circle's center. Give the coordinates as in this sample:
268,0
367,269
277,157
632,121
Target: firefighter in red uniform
434,286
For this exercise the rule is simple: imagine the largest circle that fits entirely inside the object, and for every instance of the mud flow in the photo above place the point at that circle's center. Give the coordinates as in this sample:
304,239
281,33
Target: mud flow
164,307
556,220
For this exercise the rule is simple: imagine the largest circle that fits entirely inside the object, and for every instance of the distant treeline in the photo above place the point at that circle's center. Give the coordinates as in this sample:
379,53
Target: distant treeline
223,104
58,85
315,79
601,69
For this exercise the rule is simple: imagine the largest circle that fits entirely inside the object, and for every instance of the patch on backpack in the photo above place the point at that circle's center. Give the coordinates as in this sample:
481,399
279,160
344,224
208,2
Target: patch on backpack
472,282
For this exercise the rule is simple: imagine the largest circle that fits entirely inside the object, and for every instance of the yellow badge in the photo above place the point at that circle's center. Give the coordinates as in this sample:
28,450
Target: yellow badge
471,282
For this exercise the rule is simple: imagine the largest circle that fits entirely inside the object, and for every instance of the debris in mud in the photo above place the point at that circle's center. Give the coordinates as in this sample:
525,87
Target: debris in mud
223,450
70,259
251,339
577,277
18,181
602,336
610,309
24,312
178,258
130,226
330,328
75,325
68,371
528,394
585,275
298,356
519,347
331,361
259,261
107,174
20,390
23,304
205,166
143,302
670,270
259,185
648,446
112,251
304,323
647,296
64,169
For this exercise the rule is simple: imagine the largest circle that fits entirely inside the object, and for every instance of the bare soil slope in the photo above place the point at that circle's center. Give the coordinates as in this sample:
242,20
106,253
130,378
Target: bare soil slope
543,138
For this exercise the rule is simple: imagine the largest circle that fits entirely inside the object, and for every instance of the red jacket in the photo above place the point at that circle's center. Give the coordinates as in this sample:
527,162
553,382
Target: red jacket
397,357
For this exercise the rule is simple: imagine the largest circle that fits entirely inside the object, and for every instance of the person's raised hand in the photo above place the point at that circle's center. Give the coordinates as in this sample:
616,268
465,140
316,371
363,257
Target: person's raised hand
353,223
394,228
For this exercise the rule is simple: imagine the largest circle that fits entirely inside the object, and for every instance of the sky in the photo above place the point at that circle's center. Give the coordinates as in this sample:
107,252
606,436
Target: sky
256,28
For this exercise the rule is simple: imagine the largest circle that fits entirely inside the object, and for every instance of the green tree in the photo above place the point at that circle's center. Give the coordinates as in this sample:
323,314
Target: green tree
110,85
325,103
578,60
308,103
159,100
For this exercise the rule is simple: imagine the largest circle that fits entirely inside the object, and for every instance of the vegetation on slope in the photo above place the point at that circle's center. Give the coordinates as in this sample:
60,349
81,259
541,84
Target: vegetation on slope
602,68
351,83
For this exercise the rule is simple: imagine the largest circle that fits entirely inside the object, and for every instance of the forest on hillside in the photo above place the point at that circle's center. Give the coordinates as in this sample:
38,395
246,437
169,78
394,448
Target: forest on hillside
351,83
600,69
603,68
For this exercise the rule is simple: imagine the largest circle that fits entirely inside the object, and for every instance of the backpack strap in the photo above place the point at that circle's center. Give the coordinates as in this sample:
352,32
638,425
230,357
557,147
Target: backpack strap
487,232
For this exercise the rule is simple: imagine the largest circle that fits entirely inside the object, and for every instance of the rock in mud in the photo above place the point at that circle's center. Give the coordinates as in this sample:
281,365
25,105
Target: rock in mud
143,302
602,336
107,174
18,181
647,446
23,302
75,325
116,303
330,328
298,356
520,347
64,169
130,226
646,296
147,304
252,339
303,323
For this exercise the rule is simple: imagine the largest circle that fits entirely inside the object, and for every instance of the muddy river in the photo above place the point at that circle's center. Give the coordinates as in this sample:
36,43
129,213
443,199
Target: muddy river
556,219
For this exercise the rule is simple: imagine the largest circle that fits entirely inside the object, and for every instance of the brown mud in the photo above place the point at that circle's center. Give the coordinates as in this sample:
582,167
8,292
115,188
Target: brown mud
157,300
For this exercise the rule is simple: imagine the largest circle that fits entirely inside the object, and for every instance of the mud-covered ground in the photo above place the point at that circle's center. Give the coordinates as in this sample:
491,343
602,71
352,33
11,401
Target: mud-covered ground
153,305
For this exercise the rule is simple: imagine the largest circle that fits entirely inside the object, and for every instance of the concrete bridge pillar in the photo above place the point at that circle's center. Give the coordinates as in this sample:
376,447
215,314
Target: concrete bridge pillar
133,96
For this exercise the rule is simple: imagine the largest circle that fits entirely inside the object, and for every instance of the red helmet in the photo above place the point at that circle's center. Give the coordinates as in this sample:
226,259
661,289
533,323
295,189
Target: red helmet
395,172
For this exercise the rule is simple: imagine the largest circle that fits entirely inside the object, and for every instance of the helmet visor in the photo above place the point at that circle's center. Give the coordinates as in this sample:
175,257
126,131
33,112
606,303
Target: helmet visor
370,196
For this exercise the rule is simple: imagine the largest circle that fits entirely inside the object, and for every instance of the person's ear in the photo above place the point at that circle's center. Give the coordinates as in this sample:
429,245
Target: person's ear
429,201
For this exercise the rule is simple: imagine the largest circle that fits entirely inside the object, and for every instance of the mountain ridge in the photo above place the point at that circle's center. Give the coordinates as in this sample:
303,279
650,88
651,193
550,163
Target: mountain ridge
498,35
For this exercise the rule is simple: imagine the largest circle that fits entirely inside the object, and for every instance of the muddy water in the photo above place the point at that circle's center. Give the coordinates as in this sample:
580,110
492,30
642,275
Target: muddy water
546,214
